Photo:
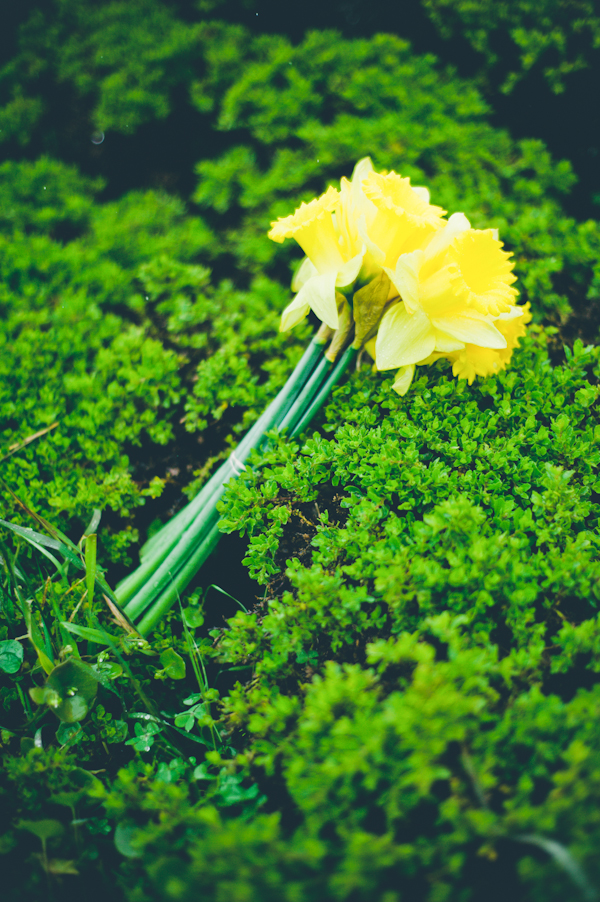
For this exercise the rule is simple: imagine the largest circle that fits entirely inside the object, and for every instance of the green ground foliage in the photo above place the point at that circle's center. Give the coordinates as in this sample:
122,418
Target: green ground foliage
407,709
556,38
410,709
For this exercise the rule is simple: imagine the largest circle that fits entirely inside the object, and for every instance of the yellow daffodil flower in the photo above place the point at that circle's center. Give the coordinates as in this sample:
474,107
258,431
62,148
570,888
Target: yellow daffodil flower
313,226
356,211
380,212
452,293
427,288
403,220
474,361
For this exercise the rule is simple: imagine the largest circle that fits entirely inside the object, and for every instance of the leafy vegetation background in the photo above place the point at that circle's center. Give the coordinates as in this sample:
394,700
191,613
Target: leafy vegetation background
404,706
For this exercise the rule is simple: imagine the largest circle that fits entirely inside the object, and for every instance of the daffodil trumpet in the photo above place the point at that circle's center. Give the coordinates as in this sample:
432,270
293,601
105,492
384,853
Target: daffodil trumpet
388,275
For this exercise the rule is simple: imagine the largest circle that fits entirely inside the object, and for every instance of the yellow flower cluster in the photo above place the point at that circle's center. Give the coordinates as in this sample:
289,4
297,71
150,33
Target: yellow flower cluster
431,287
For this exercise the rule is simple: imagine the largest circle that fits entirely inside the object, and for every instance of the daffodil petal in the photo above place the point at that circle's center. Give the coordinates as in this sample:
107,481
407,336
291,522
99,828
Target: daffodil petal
305,271
471,329
445,343
319,294
404,377
369,347
513,313
376,253
403,338
422,192
406,278
362,206
293,314
361,171
349,271
443,238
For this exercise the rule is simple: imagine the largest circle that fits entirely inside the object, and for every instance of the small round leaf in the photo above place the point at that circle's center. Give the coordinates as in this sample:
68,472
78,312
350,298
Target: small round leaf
11,655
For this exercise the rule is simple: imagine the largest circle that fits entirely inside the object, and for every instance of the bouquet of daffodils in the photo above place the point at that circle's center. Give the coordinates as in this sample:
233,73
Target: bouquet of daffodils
387,275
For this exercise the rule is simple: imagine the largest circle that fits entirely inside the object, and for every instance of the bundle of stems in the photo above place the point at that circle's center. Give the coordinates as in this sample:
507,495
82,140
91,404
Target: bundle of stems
172,556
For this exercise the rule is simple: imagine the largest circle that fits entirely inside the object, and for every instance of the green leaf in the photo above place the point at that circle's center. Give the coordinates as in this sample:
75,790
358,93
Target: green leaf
94,523
61,866
72,710
89,633
39,694
11,655
231,792
193,617
201,772
144,736
174,665
37,538
44,829
68,733
69,690
68,799
108,670
124,841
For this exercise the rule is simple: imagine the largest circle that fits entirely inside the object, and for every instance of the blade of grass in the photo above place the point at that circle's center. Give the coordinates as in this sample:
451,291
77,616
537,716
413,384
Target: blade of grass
94,523
52,530
120,618
565,860
223,592
33,632
45,630
36,639
38,539
12,449
88,633
62,632
198,666
91,545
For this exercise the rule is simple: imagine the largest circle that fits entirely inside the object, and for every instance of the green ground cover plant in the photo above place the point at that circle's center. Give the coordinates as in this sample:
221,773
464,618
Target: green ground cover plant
559,39
404,704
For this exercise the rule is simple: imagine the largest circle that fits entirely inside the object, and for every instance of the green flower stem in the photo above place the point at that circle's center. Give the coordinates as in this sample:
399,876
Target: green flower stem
266,421
172,557
174,527
151,557
306,396
160,546
334,377
162,574
179,582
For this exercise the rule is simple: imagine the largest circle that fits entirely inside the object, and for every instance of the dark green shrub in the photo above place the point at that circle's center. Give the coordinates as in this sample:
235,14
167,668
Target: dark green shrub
415,715
98,332
559,38
424,669
420,693
156,348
